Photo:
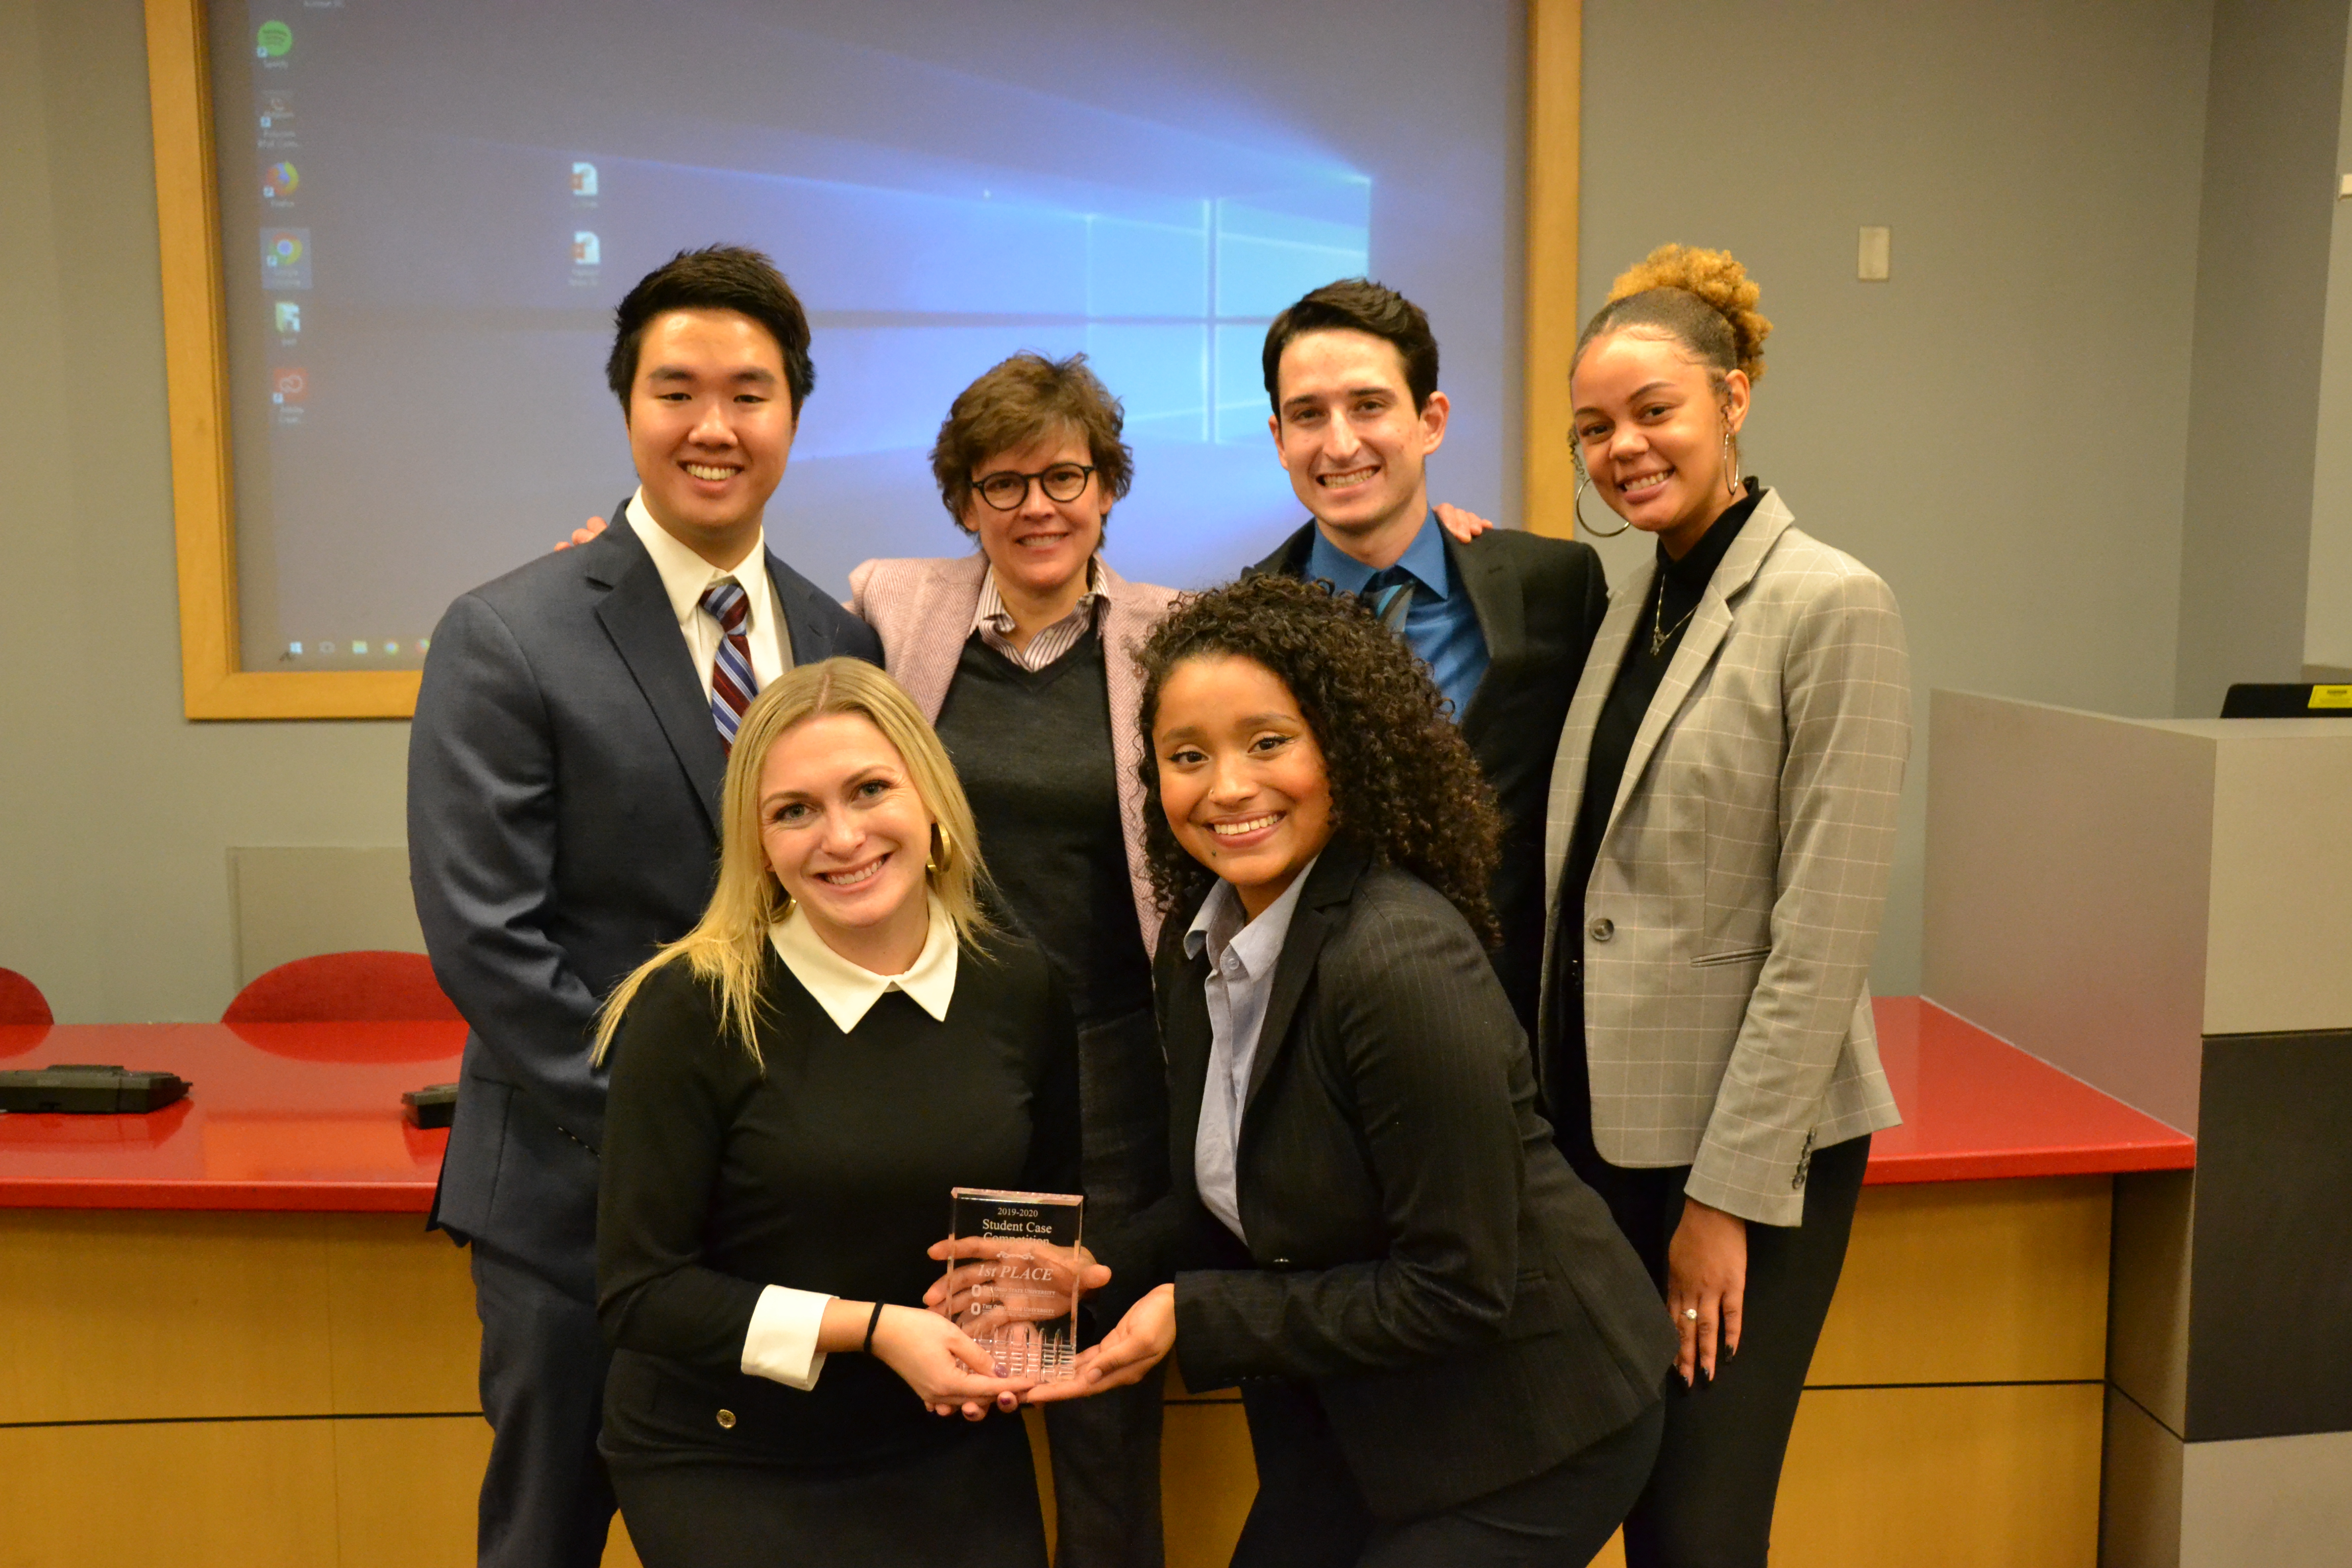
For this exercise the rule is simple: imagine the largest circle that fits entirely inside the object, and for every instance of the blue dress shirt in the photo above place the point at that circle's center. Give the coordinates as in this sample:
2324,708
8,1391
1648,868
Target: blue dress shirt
1441,626
1242,957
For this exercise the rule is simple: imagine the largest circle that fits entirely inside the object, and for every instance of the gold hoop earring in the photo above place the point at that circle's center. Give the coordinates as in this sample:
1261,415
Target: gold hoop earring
945,851
1730,461
1583,481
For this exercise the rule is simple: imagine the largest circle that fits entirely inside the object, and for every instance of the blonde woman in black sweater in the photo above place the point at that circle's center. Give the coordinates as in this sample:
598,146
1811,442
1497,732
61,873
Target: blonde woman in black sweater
796,1084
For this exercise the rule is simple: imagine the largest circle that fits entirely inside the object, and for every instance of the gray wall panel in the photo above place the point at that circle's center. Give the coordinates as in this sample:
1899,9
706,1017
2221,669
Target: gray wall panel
2272,117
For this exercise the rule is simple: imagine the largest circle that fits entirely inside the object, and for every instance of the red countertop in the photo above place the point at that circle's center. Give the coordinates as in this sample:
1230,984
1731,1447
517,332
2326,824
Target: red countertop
278,1116
307,1116
1975,1107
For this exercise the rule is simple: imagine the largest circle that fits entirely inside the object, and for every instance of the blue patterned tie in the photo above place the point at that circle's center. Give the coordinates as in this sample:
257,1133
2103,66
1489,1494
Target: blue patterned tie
732,684
1389,591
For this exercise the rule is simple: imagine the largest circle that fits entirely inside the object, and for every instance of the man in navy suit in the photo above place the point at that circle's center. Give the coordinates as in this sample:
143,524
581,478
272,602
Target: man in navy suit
563,791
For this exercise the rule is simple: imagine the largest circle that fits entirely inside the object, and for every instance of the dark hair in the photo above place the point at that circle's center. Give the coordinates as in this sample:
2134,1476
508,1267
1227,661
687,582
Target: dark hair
1016,401
717,278
1403,784
1703,299
1358,305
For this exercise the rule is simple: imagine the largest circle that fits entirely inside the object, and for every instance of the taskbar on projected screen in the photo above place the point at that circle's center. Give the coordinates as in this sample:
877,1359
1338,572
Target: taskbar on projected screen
351,653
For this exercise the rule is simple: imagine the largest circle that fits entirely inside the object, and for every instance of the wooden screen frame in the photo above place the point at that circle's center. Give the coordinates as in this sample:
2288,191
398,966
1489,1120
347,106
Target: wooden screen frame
196,359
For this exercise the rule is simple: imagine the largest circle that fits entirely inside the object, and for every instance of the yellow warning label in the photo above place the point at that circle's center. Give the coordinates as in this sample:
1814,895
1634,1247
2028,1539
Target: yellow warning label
2331,697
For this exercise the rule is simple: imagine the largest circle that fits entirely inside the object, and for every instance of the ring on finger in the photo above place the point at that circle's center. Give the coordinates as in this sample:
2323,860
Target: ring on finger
1690,1314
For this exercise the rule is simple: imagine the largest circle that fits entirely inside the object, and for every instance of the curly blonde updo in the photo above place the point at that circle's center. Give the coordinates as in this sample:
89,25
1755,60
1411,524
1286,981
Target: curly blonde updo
1704,300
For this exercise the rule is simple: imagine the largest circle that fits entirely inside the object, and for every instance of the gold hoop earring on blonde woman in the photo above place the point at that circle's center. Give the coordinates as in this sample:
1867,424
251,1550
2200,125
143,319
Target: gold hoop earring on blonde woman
945,849
1584,481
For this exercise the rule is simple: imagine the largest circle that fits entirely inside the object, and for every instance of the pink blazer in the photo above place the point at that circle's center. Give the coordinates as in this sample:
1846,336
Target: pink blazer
923,609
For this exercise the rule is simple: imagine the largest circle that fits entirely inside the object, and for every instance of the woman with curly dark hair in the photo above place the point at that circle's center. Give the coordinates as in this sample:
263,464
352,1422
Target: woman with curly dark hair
1446,1352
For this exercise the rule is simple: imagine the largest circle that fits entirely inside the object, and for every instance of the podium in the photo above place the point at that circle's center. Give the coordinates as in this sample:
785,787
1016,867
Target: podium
2163,909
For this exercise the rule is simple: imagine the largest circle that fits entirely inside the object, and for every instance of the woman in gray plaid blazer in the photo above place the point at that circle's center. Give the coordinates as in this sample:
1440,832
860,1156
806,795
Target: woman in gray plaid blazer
1717,853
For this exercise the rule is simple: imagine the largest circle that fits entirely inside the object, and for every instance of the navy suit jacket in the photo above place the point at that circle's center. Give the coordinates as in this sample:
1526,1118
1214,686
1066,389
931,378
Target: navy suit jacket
563,786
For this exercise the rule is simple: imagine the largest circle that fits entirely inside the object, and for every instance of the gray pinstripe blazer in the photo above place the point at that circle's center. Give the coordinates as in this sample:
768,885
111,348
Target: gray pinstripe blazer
1731,914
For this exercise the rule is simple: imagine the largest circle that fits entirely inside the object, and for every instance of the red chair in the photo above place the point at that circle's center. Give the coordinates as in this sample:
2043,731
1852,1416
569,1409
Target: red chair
345,987
21,1000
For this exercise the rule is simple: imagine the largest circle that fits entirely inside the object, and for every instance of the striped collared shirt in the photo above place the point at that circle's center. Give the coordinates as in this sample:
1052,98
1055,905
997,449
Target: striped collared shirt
994,626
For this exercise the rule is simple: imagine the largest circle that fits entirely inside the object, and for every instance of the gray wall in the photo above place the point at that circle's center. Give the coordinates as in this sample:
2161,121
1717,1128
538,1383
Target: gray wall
2261,298
116,814
2002,429
1998,429
2327,598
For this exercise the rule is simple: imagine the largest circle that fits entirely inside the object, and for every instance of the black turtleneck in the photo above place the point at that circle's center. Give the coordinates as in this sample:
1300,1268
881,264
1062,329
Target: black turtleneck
1673,600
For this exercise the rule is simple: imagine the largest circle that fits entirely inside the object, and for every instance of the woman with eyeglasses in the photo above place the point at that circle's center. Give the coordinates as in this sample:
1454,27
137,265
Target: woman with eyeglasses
1020,654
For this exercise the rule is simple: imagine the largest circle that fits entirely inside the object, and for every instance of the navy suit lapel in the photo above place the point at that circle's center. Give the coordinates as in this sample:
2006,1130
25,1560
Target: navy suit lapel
812,639
636,614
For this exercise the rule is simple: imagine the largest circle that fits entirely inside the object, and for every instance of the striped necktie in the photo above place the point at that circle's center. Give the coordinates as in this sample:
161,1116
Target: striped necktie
1389,594
732,684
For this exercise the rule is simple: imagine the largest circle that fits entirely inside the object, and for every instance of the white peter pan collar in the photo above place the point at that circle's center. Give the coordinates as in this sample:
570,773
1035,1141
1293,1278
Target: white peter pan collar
847,992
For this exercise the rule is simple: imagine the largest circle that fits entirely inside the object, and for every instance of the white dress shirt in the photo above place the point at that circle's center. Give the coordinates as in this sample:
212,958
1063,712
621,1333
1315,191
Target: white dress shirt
781,1345
1242,957
684,575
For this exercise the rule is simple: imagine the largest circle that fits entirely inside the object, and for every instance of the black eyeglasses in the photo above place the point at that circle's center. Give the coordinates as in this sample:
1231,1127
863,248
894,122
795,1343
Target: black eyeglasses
1063,482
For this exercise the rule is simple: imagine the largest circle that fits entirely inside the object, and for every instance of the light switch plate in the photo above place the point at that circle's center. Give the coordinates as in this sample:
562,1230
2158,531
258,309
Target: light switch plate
2344,190
1877,243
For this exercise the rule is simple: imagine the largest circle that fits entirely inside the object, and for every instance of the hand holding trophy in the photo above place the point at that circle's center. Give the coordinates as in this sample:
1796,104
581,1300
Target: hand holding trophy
1015,1272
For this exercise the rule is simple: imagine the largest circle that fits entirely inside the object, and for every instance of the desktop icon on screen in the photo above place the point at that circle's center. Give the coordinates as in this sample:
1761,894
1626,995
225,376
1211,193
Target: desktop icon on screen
358,647
288,316
289,385
285,259
583,179
586,249
280,182
295,649
274,41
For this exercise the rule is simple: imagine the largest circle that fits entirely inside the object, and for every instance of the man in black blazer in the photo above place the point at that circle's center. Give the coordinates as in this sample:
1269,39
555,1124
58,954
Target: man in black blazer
1351,370
563,792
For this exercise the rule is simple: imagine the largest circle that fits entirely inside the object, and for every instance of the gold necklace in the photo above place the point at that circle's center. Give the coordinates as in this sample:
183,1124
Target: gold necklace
1659,630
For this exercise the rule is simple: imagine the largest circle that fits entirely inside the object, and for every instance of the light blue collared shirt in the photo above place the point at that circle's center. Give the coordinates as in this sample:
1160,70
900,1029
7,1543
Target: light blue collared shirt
1441,626
1242,957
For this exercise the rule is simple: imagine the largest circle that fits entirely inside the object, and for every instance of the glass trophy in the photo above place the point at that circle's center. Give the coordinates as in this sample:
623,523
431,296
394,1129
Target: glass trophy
1018,1298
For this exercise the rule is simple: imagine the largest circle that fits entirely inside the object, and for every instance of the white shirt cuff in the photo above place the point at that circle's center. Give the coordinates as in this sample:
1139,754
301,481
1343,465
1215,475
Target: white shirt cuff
781,1345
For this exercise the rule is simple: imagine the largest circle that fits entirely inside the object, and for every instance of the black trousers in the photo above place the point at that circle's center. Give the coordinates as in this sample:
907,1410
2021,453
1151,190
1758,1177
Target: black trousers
1708,1503
971,1502
546,1501
1105,1449
1309,1512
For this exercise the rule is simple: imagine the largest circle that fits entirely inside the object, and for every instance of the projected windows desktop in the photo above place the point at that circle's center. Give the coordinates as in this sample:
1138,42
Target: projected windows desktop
429,210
